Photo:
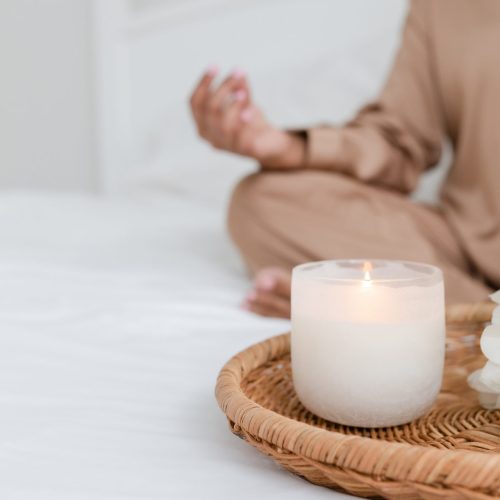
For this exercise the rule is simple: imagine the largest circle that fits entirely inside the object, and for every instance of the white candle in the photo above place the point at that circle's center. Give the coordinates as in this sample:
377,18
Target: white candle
368,340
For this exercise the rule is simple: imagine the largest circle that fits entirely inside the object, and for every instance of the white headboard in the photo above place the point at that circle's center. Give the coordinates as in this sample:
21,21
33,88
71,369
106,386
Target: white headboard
308,61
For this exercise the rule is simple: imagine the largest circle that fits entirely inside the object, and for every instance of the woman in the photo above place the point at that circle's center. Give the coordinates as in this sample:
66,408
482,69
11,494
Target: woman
342,192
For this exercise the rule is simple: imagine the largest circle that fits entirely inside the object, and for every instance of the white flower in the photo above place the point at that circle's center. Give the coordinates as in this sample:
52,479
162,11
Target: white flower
490,376
487,399
490,343
495,320
486,381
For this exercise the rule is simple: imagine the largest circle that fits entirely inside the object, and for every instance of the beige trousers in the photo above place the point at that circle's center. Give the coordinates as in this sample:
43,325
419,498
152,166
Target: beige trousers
287,218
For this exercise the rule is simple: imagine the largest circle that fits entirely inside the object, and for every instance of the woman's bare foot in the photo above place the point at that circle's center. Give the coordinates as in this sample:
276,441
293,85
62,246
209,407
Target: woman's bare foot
271,293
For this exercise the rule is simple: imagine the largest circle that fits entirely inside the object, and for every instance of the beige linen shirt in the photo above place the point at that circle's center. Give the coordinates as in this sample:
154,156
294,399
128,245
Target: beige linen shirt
445,82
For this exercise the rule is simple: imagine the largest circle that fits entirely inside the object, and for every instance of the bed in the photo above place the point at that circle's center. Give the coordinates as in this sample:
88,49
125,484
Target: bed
115,318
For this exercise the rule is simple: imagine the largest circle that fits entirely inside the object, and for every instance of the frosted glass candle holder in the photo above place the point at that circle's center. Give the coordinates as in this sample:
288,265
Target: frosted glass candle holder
368,340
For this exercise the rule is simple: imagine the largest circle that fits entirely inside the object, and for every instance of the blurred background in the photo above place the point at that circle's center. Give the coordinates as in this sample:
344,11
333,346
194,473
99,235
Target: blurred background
120,292
93,93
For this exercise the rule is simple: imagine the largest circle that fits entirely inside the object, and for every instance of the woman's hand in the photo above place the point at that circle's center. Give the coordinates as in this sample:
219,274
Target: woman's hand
228,119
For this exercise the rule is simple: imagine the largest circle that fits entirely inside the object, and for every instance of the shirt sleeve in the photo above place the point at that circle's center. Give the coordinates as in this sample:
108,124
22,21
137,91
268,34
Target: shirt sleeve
392,140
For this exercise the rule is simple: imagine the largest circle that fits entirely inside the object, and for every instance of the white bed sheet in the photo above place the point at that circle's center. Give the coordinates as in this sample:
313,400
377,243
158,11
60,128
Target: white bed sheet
115,317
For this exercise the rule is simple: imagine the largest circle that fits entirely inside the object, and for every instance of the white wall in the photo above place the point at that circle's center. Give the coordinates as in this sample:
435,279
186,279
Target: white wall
46,95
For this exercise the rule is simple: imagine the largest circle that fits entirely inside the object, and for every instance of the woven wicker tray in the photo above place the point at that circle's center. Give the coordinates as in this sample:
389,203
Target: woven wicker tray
452,452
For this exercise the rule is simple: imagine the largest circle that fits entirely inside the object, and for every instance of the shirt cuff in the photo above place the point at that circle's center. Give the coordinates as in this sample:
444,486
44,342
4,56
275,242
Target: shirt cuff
323,147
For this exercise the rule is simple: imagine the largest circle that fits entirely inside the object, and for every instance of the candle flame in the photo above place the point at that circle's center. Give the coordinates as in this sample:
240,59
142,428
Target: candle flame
367,269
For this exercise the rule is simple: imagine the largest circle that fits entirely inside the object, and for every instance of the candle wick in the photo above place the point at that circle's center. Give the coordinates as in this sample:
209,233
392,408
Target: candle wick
367,268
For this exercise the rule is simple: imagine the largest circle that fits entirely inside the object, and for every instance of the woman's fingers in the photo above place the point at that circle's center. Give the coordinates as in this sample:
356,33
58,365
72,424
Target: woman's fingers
201,94
226,116
267,304
251,128
222,97
230,123
223,108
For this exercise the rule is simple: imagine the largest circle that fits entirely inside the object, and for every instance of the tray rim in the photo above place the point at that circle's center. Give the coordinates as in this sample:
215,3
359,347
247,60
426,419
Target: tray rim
325,447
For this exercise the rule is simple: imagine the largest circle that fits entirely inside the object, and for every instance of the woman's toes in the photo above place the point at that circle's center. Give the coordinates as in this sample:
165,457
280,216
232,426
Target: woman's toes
265,282
267,312
271,295
267,304
274,279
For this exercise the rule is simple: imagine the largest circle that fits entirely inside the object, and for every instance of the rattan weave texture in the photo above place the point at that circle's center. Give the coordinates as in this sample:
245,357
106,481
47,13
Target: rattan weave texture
452,452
